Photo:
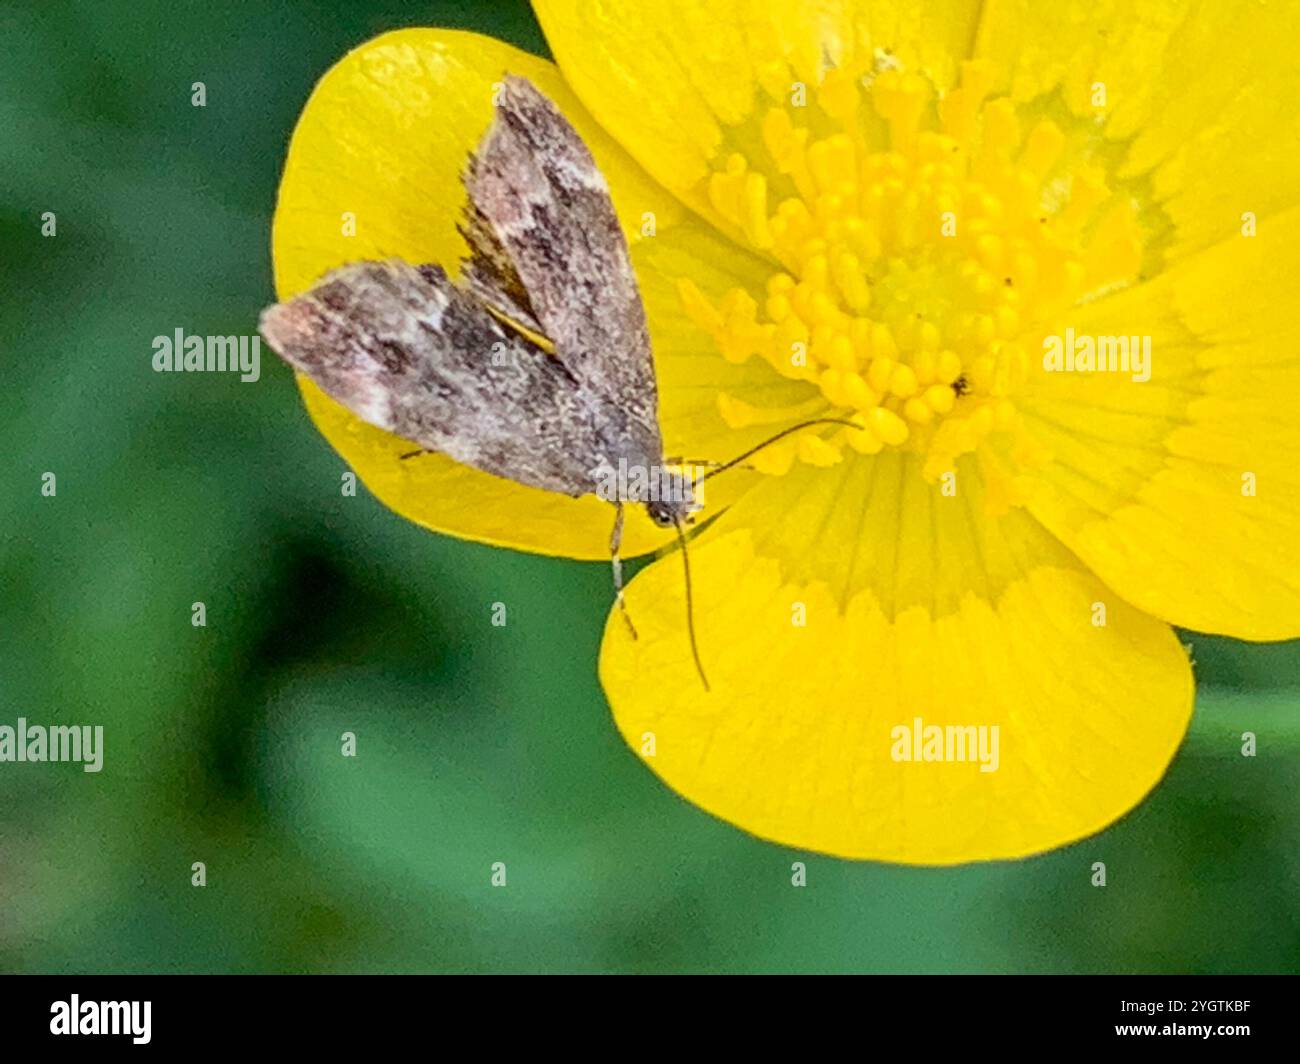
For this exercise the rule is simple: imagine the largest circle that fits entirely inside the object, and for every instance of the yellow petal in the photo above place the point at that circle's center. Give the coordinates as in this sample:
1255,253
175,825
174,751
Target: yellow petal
682,84
1183,492
691,374
914,605
379,149
1198,99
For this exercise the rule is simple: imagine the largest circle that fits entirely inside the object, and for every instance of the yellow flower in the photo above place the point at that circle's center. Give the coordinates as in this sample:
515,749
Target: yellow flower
887,210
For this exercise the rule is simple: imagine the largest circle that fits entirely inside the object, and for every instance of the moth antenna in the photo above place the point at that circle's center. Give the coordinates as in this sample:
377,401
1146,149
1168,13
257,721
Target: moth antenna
681,535
690,607
779,436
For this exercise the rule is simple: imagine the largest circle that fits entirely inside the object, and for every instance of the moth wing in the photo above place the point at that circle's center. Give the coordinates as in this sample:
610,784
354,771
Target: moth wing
491,276
411,353
543,232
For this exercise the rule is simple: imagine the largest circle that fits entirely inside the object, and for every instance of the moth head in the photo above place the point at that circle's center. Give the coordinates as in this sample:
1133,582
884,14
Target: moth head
667,514
676,493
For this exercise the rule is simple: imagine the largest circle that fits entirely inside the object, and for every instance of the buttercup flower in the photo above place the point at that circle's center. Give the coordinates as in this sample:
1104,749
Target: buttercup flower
1046,255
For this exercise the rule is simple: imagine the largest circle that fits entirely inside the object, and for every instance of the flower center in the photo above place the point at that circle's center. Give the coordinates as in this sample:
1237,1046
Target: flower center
920,247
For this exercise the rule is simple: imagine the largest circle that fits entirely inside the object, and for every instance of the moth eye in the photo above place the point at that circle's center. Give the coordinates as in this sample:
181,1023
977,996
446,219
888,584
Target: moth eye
660,516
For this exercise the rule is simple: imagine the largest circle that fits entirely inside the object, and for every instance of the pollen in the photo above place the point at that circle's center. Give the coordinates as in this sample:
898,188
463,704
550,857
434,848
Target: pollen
920,245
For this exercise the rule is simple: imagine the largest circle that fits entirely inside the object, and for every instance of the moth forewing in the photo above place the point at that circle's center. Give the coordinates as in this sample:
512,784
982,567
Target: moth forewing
409,352
541,222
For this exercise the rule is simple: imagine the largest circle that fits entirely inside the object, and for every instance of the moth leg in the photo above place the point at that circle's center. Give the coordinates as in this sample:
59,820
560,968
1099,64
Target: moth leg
413,454
615,541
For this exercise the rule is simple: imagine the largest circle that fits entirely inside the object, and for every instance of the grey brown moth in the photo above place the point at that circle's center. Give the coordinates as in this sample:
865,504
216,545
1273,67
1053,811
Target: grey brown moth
464,369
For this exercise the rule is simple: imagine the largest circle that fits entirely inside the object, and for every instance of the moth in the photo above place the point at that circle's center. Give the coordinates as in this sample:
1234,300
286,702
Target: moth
536,364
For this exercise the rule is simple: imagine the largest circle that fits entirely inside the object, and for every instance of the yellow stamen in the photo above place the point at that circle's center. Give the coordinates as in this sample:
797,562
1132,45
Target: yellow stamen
905,273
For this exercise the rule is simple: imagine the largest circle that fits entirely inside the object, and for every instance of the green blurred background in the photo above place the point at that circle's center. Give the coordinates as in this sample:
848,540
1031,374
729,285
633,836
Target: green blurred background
326,613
